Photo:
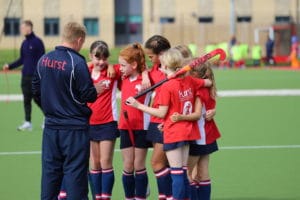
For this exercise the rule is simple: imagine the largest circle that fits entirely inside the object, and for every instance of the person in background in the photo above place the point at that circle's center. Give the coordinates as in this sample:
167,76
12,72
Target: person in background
31,50
294,54
256,54
269,51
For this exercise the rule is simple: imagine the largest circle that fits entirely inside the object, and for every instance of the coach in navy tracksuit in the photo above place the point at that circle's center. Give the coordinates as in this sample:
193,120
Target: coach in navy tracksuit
31,50
62,86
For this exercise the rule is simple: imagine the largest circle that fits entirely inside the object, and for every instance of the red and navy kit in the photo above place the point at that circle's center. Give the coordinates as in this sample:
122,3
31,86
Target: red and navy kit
156,75
137,119
208,129
104,109
179,95
62,86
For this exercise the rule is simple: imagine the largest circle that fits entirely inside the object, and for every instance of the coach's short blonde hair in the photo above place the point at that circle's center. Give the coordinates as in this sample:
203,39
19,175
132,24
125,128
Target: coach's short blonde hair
172,59
72,31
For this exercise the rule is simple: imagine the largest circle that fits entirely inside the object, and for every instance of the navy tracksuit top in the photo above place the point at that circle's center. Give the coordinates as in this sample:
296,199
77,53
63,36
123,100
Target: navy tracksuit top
62,86
31,50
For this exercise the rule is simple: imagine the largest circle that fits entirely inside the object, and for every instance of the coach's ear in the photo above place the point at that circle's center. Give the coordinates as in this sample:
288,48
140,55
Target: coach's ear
79,43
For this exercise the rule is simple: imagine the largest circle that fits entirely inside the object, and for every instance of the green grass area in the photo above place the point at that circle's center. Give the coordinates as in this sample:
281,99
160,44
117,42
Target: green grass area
237,174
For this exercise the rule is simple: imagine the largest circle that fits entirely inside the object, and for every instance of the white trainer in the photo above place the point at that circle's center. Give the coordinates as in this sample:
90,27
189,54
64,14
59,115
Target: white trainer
26,126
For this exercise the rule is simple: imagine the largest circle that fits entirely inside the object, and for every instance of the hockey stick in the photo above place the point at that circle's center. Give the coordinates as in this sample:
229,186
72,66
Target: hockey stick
187,68
130,132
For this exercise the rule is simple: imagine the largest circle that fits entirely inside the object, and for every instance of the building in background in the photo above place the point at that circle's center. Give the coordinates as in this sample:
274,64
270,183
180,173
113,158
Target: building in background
120,22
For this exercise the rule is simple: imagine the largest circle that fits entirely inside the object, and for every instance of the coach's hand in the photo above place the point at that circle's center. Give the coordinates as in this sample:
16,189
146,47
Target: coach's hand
5,67
100,87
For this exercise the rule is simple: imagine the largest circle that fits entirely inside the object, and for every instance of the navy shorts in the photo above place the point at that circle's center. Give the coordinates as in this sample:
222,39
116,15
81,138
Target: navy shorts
199,150
175,145
139,139
107,131
153,134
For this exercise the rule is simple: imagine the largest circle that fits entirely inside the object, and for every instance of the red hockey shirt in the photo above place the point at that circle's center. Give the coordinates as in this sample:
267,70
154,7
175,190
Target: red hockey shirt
137,120
104,109
208,129
179,95
156,76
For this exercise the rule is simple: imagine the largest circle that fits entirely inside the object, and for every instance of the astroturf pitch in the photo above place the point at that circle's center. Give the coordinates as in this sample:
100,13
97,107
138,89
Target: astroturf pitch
259,148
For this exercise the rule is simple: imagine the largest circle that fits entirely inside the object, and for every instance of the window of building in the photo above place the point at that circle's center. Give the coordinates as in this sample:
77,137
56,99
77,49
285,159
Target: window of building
92,26
165,20
135,24
282,19
243,19
205,19
11,26
120,24
51,26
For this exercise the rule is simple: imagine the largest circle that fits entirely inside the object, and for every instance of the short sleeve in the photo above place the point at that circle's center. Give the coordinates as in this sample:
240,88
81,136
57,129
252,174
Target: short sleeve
164,96
198,82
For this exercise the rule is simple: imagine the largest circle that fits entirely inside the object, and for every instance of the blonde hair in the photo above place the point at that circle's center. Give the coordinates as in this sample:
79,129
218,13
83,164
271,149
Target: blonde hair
186,53
205,71
72,31
134,53
172,59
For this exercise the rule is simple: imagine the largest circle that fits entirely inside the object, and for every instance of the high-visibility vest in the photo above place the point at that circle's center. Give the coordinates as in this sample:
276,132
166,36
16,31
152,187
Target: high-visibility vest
209,48
193,47
236,53
256,52
244,50
224,46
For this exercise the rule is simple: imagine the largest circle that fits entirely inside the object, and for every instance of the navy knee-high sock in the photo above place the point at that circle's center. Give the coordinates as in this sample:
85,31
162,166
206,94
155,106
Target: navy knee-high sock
95,177
141,183
204,190
164,183
178,183
108,179
194,190
128,185
187,183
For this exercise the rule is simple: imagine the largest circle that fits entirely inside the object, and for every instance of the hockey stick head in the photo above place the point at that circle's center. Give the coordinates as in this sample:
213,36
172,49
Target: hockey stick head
198,61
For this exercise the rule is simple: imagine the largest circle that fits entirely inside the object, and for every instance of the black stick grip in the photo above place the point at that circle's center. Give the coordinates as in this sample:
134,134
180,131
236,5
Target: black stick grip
150,88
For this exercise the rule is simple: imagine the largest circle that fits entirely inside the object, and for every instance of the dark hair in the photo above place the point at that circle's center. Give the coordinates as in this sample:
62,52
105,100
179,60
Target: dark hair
157,44
100,49
28,23
134,53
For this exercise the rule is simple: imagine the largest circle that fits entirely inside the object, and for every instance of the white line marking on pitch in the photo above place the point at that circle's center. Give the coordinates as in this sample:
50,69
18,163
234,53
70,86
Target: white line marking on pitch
221,148
221,93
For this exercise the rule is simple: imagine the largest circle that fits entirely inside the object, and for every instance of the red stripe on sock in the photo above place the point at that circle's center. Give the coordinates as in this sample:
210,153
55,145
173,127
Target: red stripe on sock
107,170
206,182
162,172
95,171
143,171
177,171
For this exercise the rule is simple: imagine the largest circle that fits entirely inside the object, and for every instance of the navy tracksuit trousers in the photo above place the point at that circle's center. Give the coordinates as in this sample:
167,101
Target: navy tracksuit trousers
65,154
